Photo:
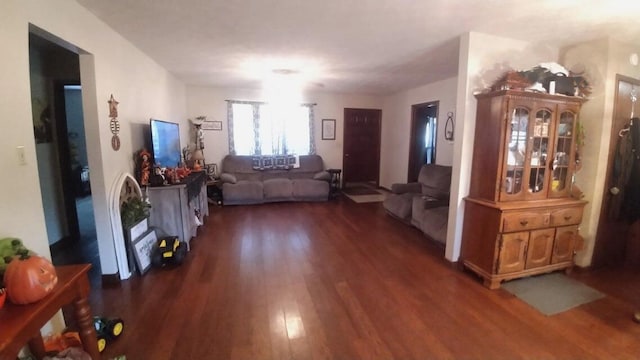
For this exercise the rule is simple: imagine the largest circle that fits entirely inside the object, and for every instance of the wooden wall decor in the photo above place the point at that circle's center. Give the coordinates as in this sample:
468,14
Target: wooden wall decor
114,124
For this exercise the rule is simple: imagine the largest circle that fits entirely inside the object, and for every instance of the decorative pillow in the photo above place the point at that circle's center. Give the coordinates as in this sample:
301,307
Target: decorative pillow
266,162
228,178
293,161
256,163
281,162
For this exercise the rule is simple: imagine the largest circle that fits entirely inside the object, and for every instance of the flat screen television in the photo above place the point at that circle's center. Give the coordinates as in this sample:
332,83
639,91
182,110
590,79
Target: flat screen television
165,143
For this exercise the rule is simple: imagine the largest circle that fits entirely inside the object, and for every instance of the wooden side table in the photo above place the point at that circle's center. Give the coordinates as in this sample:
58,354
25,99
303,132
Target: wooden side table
334,183
21,324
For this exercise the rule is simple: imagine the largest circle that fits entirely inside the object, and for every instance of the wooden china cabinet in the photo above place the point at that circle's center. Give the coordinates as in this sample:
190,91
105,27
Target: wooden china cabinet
519,217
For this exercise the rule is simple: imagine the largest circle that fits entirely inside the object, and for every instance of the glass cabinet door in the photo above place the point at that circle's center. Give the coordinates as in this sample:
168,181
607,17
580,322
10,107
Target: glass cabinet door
539,152
516,151
562,164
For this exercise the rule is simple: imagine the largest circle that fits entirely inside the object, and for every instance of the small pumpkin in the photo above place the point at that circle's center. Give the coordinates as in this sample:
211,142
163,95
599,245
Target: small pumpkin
29,278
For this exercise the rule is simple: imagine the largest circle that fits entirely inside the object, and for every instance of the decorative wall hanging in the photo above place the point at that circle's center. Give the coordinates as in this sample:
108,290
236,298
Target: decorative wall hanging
449,127
114,124
328,129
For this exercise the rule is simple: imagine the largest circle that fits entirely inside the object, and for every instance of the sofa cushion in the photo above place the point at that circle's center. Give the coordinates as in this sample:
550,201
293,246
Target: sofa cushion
309,164
242,192
435,180
309,189
274,174
278,189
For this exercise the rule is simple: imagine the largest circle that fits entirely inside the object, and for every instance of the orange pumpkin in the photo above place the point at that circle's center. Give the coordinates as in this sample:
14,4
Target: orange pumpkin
29,279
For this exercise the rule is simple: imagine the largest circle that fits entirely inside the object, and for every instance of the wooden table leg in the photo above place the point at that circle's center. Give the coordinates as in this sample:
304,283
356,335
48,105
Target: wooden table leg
87,329
36,346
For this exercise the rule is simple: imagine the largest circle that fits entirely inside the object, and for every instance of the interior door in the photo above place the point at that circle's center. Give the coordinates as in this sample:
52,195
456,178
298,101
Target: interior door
361,156
422,143
616,242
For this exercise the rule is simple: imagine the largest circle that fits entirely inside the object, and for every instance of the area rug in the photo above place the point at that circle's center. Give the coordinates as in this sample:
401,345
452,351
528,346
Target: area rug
552,293
360,190
366,198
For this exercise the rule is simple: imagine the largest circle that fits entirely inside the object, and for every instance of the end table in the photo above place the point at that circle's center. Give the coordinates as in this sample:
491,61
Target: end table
334,183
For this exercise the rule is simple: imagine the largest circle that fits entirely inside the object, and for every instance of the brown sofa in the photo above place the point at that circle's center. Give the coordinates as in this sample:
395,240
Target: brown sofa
425,203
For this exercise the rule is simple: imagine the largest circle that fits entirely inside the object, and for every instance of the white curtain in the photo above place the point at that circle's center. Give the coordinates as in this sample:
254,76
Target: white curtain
270,129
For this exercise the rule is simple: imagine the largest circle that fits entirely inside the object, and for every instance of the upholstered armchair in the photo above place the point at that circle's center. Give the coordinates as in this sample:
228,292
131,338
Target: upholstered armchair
425,203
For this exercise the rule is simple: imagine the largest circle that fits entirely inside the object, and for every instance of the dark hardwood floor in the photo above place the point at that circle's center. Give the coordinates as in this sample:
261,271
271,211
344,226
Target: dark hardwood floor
340,280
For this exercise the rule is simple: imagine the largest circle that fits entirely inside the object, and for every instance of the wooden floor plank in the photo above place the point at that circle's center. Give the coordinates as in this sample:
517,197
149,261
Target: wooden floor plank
340,280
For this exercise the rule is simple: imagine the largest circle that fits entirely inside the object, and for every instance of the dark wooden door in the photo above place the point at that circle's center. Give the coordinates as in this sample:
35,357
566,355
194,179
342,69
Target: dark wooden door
361,156
617,240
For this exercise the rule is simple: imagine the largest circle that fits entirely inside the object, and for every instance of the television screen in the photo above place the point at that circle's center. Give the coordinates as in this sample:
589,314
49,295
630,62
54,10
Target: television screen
165,140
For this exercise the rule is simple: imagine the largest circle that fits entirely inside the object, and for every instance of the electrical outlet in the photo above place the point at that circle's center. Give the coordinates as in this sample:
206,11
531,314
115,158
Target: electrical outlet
22,160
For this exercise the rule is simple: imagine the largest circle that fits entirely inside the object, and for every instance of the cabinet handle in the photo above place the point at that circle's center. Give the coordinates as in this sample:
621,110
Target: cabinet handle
524,222
567,217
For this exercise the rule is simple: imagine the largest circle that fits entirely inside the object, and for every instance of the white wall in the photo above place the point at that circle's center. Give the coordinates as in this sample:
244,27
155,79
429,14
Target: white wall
211,102
396,128
601,60
109,65
483,59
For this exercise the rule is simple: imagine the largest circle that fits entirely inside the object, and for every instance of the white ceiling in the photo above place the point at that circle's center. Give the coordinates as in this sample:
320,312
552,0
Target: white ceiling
360,46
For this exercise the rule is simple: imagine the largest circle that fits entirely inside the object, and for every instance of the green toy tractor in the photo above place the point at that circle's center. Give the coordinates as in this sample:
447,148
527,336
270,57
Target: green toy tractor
107,330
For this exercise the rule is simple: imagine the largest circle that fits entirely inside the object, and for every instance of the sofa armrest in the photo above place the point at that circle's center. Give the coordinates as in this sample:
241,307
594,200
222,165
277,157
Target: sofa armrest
428,202
322,175
228,178
413,187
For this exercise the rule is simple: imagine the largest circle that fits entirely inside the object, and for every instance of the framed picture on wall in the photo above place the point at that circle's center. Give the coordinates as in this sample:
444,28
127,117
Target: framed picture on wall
328,129
212,125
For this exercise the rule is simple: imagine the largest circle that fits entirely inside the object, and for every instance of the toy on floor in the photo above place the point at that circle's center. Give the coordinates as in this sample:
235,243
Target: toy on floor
107,330
170,250
55,344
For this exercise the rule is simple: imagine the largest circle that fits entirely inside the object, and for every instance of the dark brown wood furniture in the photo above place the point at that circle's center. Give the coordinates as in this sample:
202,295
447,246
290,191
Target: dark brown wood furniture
21,324
519,217
334,183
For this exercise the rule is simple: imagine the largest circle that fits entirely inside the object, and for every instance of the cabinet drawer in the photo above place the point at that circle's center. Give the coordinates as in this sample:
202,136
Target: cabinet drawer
519,221
569,216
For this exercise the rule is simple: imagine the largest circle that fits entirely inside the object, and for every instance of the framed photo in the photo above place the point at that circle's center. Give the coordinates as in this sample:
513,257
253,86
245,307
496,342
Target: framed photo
212,125
212,170
328,129
143,250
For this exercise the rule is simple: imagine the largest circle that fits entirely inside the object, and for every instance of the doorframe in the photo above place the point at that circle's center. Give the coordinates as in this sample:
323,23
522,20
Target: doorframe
413,157
64,158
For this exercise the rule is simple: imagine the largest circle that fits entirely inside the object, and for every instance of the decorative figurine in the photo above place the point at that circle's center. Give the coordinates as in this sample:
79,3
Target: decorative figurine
144,167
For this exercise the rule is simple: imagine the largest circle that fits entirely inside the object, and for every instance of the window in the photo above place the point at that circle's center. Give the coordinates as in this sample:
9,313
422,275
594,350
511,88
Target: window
265,129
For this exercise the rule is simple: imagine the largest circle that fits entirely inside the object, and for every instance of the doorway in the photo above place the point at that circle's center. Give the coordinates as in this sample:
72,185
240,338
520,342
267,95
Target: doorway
62,154
618,235
361,156
422,143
